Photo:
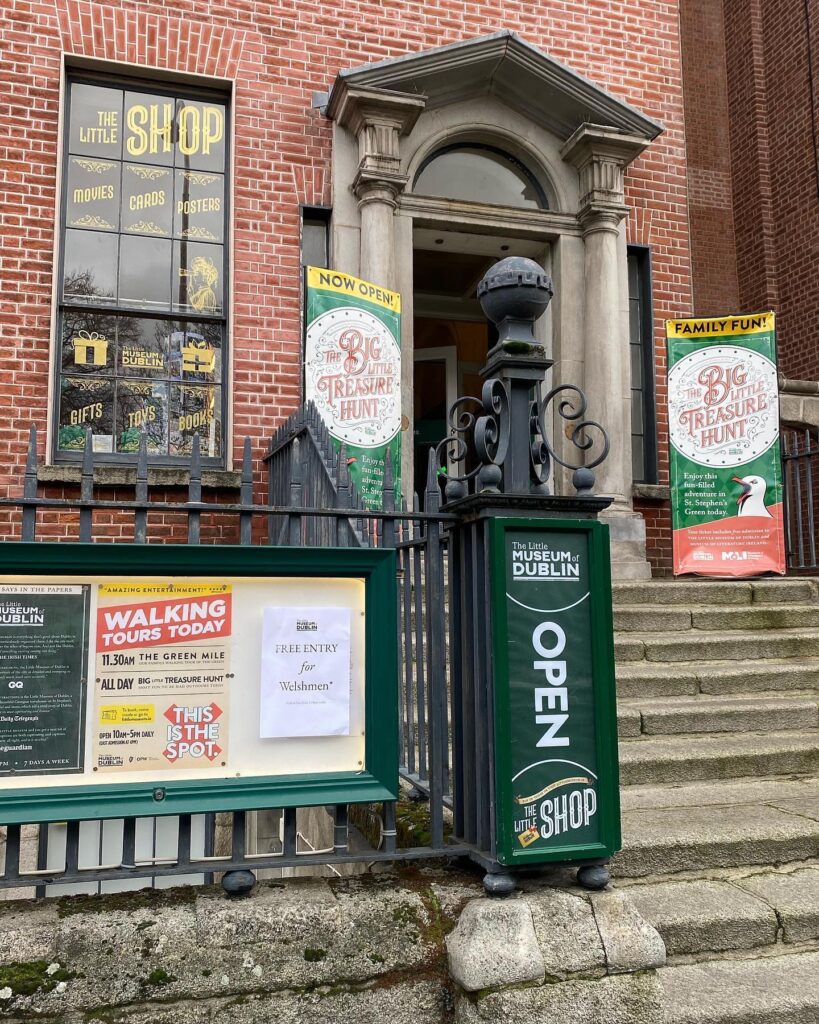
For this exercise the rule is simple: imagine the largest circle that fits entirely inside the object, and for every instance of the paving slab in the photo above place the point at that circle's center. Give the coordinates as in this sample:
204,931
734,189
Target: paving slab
795,897
773,990
802,804
705,916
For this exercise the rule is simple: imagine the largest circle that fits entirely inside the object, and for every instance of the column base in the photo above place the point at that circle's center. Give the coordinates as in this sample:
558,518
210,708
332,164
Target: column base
627,531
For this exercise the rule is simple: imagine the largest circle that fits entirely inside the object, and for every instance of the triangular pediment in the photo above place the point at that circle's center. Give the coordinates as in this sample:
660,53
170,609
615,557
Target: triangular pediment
505,66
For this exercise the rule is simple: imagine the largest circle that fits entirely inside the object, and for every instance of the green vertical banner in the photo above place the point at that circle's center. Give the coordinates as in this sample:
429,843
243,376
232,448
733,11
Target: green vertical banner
556,770
723,425
352,373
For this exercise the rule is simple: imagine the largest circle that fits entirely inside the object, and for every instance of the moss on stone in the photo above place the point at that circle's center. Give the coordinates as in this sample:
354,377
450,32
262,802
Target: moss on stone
314,955
24,979
159,977
154,899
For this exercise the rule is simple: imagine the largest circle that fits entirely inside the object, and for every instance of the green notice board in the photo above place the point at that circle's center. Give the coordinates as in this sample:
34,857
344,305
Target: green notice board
43,654
557,784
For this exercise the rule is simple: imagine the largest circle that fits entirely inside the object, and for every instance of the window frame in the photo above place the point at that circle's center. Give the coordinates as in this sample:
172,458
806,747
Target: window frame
174,90
642,256
516,162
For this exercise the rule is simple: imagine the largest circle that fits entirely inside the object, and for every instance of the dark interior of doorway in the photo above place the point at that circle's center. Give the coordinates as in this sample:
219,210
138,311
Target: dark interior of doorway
448,317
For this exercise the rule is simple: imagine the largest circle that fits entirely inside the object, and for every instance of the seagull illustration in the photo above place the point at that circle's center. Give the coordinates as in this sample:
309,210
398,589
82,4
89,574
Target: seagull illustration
752,500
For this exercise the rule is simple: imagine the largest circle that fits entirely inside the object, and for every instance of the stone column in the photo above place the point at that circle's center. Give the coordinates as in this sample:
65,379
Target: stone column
378,119
601,155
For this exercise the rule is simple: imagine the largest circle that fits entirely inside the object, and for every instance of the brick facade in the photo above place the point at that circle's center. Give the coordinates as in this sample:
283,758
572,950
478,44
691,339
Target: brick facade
773,117
278,54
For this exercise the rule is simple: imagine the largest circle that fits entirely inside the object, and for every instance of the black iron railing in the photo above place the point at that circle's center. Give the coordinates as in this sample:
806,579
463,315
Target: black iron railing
800,460
311,502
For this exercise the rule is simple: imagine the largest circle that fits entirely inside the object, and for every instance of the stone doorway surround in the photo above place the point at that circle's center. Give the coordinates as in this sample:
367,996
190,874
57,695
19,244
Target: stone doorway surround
576,138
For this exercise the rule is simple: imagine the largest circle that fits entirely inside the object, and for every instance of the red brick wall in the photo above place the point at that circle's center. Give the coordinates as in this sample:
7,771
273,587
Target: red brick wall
278,54
713,247
776,191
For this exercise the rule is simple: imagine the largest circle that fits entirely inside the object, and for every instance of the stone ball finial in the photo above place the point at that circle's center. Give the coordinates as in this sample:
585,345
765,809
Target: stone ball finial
513,293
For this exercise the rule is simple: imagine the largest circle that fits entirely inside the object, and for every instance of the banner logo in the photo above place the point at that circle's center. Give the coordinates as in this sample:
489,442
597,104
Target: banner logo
722,403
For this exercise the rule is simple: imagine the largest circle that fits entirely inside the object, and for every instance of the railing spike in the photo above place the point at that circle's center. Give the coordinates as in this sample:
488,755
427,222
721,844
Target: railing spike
433,491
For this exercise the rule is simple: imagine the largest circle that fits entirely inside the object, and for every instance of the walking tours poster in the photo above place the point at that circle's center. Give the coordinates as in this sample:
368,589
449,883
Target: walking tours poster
723,422
352,373
162,676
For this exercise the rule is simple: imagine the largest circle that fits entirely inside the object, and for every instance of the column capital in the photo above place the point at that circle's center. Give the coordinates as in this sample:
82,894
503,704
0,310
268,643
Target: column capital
378,119
378,186
595,217
601,155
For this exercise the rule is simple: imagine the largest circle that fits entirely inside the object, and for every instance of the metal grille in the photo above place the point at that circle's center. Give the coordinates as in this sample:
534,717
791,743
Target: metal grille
311,501
800,455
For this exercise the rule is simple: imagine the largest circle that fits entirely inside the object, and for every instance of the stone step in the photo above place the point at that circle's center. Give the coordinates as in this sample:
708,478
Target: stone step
680,715
767,990
659,619
700,837
705,915
694,593
707,646
742,911
786,794
718,678
678,760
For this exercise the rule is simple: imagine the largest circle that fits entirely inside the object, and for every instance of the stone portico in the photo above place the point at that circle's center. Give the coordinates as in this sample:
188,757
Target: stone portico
577,139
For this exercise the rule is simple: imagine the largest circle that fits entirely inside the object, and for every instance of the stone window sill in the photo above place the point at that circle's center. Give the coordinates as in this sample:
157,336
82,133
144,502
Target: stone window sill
125,476
651,492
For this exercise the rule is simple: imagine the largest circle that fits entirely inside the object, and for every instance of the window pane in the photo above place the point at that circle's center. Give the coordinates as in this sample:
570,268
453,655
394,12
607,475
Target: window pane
145,272
196,353
636,366
95,121
200,131
149,128
197,275
142,408
196,410
314,243
142,169
147,198
85,402
142,347
478,175
88,343
90,273
92,196
638,457
199,206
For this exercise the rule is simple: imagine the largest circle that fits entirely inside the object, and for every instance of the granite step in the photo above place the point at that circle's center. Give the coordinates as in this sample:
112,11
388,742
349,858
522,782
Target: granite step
659,619
769,990
705,714
696,646
684,759
695,593
742,911
717,678
696,837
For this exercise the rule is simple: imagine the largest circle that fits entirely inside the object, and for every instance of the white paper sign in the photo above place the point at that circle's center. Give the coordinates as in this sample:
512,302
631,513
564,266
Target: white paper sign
305,672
